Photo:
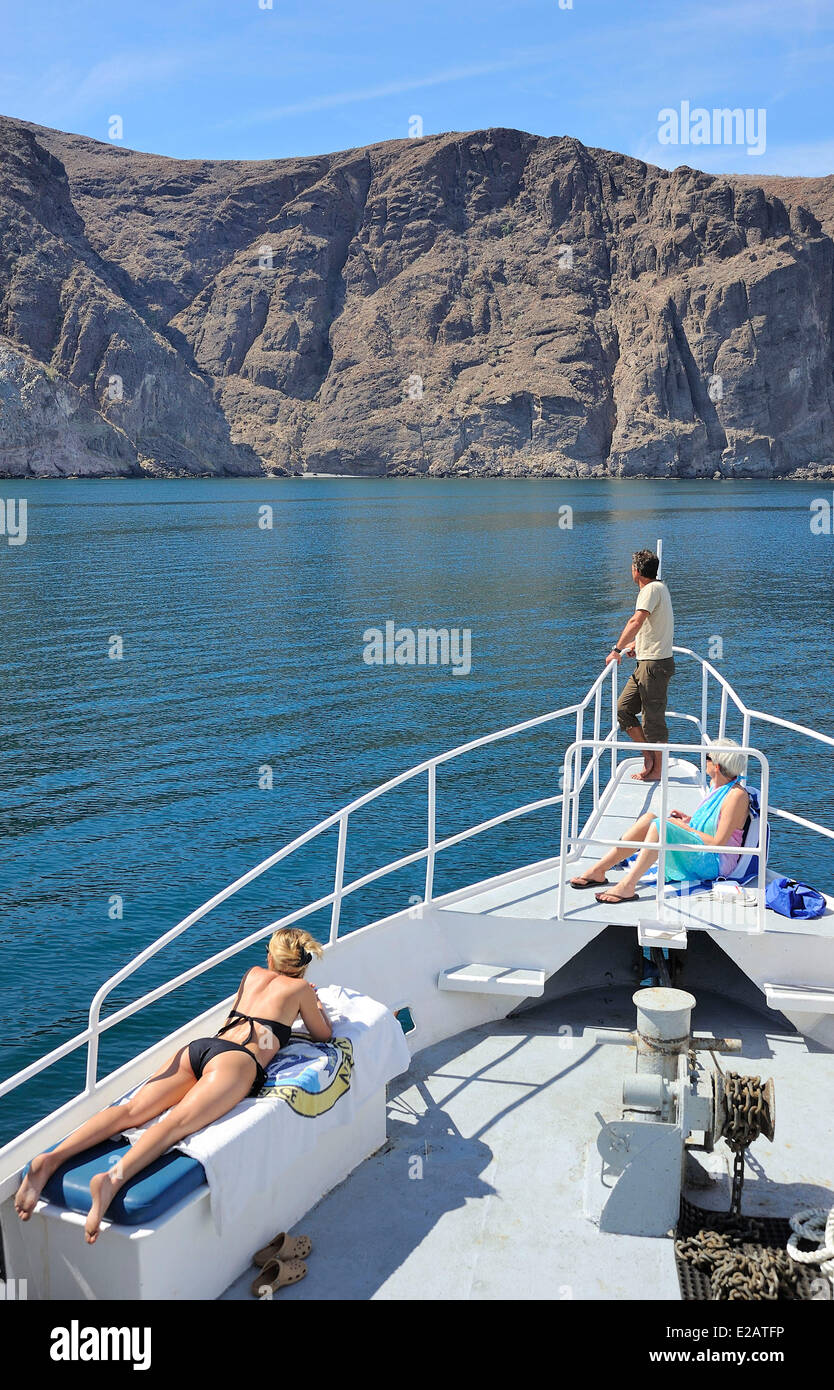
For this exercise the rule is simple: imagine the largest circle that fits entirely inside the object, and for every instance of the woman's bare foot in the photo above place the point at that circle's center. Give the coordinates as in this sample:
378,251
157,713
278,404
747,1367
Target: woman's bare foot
103,1188
616,895
26,1197
592,876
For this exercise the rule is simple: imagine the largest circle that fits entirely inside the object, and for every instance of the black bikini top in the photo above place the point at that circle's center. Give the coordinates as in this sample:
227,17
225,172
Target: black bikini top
282,1031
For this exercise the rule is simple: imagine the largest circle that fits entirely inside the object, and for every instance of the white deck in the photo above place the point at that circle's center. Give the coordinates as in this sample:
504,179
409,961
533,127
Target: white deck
535,894
497,1123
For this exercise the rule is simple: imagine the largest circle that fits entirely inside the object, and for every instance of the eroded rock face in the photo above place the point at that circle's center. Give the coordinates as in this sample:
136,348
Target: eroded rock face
490,303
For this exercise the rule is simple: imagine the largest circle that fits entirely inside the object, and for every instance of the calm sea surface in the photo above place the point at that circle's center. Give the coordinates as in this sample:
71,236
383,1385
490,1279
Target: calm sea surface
132,785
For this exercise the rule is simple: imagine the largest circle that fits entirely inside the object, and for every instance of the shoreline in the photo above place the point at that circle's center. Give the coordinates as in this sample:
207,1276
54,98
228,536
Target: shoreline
824,474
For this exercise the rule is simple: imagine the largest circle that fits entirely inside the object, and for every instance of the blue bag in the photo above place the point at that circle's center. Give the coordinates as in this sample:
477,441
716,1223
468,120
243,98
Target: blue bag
792,899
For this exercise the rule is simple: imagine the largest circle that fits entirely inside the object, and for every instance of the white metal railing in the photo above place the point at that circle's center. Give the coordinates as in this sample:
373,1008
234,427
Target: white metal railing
96,1025
571,845
600,745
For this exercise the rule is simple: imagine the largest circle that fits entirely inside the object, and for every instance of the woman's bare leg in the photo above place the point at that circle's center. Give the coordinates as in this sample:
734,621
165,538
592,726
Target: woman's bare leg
627,885
226,1081
167,1086
638,831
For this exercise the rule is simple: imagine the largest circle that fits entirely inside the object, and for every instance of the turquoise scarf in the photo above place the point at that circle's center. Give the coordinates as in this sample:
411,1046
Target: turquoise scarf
708,814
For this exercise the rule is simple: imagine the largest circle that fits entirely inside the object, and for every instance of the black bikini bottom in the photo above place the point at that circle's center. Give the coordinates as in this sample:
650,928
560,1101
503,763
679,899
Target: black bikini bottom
201,1051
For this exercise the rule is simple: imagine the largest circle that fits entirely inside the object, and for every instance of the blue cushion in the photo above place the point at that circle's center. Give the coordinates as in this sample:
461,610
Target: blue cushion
151,1192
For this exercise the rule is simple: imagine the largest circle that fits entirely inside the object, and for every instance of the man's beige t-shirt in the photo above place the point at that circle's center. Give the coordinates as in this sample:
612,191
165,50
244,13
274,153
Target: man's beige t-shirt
655,639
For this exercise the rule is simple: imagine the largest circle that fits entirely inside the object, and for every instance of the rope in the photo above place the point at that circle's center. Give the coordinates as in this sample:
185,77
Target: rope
814,1223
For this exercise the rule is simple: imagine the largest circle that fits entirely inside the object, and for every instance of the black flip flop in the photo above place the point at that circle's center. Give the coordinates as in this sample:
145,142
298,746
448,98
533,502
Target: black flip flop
588,882
617,901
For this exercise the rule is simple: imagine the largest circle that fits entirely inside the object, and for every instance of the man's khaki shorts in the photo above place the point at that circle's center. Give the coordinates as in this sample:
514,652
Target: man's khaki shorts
645,692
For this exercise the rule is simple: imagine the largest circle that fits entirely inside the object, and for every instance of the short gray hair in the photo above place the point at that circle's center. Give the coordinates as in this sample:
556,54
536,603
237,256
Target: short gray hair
728,757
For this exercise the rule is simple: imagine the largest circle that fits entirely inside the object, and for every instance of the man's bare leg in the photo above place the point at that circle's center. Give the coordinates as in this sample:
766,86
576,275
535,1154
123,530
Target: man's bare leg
650,760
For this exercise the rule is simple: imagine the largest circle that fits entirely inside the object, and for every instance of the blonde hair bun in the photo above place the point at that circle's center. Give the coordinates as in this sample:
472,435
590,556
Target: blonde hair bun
291,951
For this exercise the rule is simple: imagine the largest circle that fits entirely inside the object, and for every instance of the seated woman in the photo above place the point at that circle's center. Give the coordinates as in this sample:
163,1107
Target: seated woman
719,820
202,1081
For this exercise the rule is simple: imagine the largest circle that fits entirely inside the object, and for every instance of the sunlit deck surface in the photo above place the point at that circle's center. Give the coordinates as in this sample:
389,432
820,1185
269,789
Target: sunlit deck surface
494,1126
535,895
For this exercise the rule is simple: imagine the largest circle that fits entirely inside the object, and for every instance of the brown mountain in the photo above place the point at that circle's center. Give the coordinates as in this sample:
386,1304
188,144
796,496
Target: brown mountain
491,302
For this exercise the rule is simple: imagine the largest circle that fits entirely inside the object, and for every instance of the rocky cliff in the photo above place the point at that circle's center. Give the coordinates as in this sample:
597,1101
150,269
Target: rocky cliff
487,303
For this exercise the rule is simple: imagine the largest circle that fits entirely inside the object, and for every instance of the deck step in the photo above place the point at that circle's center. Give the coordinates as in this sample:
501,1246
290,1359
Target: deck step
654,933
494,979
799,999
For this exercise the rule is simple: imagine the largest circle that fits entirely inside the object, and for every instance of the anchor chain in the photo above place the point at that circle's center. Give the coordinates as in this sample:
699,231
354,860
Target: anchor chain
747,1116
735,1258
739,1269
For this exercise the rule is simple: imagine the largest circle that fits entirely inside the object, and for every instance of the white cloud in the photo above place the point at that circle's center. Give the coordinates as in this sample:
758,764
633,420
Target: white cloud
320,103
124,71
65,89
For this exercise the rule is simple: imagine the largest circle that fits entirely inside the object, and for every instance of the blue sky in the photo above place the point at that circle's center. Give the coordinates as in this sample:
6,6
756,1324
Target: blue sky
229,79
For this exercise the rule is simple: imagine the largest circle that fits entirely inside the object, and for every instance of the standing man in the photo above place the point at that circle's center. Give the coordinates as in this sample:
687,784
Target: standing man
649,635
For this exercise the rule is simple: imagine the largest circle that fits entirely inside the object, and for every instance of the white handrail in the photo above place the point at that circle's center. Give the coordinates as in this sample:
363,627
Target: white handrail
575,779
789,724
96,1025
273,859
800,820
742,708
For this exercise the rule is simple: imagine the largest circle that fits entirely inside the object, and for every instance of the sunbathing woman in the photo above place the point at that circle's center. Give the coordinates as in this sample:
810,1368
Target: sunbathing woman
719,820
202,1081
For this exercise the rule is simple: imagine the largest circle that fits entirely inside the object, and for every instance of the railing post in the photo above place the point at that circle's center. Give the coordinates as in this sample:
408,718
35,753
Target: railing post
577,776
762,861
92,1058
339,879
661,825
704,731
597,752
722,721
567,771
430,834
614,720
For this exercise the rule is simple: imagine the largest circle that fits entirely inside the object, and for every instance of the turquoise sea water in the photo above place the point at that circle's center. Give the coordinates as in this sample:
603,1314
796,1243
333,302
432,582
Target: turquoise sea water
138,779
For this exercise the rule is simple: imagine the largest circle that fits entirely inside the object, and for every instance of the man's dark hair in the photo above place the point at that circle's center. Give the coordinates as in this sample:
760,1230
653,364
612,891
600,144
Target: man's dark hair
646,563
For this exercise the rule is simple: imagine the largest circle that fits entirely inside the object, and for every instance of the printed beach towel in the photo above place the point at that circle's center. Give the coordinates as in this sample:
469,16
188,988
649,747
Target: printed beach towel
310,1076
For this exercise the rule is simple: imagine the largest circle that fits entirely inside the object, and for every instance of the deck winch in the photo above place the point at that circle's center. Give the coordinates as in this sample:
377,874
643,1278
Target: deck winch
635,1172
